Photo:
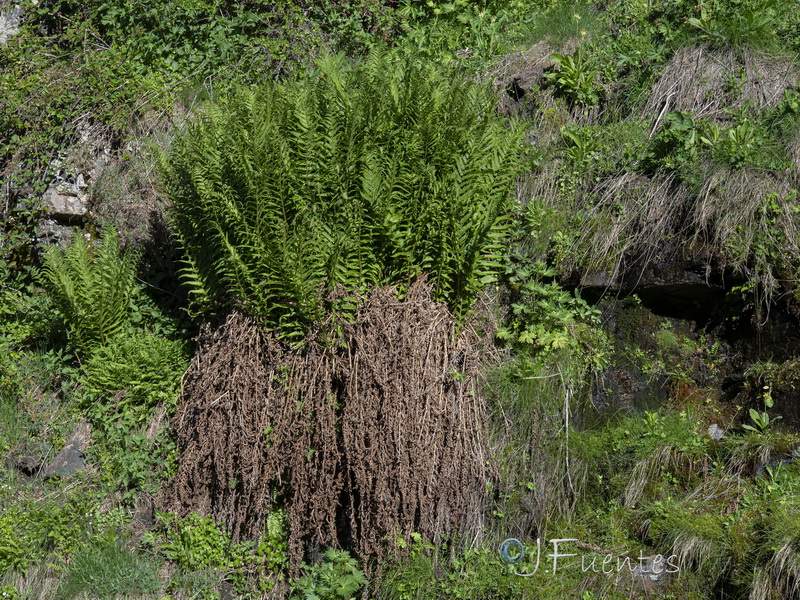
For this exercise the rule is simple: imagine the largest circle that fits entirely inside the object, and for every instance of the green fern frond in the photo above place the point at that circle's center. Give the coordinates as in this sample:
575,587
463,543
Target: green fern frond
92,287
357,175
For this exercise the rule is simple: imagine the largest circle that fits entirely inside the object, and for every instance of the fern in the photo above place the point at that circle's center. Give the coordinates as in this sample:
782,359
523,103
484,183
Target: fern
358,175
92,288
144,370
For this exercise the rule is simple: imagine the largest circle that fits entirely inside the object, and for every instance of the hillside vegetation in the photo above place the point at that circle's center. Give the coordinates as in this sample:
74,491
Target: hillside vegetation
368,299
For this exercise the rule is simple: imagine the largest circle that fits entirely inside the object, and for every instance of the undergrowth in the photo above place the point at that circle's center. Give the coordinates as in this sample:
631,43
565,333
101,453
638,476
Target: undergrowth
655,130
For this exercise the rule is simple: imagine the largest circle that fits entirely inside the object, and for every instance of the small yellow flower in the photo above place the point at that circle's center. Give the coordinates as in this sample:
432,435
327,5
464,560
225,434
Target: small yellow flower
583,33
576,16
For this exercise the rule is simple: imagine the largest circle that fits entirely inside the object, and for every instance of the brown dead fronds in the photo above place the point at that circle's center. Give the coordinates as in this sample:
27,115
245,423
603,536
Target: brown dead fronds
378,436
413,432
255,421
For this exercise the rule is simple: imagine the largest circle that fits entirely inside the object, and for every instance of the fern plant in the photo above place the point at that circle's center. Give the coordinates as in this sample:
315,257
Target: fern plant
92,286
357,175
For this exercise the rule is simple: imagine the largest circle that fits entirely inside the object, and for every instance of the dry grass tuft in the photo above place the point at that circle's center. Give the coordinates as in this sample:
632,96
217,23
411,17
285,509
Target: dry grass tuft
784,566
730,200
706,82
734,215
666,459
767,77
40,582
743,219
746,455
518,75
541,186
692,549
628,222
380,436
793,152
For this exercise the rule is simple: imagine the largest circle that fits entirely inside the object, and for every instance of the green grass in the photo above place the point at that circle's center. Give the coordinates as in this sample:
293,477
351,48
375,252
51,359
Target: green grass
108,570
565,21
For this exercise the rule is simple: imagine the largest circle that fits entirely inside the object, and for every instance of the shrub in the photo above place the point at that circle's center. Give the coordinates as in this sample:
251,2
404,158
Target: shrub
360,176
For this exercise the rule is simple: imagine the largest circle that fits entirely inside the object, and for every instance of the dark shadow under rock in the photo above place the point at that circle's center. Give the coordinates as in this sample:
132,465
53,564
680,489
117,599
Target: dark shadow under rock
71,458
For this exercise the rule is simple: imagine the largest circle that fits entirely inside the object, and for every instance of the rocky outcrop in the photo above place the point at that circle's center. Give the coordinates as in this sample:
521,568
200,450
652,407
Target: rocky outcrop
10,19
65,199
681,287
71,458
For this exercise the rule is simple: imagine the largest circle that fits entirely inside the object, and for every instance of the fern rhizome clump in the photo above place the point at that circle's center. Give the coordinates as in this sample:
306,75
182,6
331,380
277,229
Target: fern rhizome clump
358,175
379,192
382,436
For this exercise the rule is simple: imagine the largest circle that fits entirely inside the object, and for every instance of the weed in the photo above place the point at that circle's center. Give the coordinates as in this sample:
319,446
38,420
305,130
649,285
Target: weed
31,532
676,143
194,543
761,421
547,318
337,577
199,546
576,78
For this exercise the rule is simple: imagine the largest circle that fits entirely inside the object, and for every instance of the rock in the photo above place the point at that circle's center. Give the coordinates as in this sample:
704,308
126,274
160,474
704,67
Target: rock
654,569
627,388
9,22
53,233
28,465
675,286
227,591
521,72
716,432
602,280
71,457
65,202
